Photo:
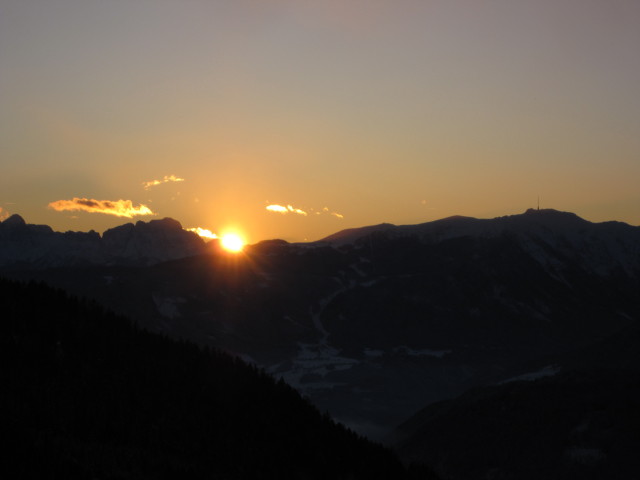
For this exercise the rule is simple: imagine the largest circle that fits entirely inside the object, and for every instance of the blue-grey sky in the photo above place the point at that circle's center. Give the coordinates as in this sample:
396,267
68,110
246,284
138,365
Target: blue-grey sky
341,113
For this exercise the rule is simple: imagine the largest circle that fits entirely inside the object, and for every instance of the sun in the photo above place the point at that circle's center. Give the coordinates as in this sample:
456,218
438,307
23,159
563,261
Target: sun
232,242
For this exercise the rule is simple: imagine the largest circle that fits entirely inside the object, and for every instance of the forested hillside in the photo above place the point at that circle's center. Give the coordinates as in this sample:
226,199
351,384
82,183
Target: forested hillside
89,395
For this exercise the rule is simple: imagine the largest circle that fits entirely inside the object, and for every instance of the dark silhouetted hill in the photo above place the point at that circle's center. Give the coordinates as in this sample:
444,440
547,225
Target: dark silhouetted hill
578,417
86,394
577,424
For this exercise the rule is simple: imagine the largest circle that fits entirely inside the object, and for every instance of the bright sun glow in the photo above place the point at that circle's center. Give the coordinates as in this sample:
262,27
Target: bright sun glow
232,242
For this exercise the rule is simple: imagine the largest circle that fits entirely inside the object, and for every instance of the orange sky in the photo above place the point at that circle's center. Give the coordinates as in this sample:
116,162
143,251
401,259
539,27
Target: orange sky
352,113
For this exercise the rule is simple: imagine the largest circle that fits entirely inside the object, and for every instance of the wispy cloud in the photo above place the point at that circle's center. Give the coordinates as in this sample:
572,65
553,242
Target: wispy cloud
277,208
119,208
203,232
165,179
284,210
290,209
335,214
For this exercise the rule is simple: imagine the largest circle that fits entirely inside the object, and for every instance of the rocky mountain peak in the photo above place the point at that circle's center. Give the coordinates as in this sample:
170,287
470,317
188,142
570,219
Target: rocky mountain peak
14,221
139,244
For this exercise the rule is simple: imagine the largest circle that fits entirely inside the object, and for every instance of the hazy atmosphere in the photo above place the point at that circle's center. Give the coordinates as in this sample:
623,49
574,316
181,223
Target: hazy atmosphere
296,119
471,167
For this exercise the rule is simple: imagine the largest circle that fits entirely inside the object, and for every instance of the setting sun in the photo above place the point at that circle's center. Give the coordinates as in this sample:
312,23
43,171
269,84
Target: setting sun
232,242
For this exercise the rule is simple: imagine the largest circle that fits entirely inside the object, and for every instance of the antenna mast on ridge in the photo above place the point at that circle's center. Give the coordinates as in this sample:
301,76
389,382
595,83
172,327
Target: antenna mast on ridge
538,202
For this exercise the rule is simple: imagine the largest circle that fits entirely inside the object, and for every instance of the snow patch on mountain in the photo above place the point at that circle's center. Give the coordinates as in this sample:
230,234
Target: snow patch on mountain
373,353
423,352
168,306
548,371
585,455
313,360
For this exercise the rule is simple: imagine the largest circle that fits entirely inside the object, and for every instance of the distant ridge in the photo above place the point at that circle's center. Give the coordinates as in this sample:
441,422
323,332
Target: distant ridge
142,243
348,234
26,245
459,225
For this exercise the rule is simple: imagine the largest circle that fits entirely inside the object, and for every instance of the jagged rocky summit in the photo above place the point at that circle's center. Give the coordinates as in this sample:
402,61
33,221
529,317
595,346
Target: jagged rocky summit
38,246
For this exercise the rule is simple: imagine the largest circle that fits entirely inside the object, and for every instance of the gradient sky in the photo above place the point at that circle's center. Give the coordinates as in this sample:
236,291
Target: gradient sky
354,112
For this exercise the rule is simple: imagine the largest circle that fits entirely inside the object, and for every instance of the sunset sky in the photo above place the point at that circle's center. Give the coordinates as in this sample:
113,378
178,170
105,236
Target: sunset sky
296,119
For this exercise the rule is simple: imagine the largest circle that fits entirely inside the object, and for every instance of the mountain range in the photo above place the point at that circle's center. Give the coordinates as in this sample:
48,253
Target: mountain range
38,246
374,324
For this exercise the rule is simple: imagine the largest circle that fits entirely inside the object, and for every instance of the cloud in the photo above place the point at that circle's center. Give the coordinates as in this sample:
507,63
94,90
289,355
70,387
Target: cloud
165,179
3,214
296,210
287,209
290,209
277,208
119,208
203,232
335,214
